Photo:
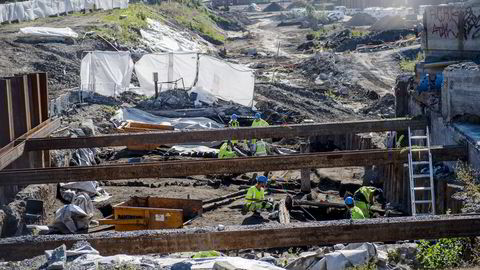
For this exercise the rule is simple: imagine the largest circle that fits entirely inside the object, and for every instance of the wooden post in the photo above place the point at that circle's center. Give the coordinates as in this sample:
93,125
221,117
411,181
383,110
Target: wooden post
305,173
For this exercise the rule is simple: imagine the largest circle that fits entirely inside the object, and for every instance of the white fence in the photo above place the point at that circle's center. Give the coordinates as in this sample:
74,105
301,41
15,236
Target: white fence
31,10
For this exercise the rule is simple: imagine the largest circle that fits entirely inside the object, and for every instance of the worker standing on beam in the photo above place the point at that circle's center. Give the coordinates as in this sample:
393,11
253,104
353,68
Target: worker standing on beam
255,198
354,211
234,124
365,198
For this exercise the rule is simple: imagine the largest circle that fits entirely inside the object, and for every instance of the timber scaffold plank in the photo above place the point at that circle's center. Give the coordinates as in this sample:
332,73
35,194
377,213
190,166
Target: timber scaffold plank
192,136
221,166
251,237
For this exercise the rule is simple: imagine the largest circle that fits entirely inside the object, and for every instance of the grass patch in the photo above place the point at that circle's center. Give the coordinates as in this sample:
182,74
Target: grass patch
359,33
441,254
123,25
407,65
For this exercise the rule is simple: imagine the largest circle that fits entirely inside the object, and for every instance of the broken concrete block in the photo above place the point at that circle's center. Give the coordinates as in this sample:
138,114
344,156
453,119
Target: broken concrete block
88,127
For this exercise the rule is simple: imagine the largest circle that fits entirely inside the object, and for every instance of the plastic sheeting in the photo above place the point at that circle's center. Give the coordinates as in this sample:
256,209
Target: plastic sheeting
227,81
31,10
137,115
174,263
170,67
106,73
49,32
71,218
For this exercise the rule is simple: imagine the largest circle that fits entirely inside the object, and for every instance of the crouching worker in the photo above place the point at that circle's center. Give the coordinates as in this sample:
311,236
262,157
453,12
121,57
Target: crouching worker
255,199
226,150
365,198
353,211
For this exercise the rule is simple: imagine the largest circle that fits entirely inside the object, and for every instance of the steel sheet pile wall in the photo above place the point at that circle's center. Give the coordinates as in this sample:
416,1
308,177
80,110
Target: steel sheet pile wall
23,107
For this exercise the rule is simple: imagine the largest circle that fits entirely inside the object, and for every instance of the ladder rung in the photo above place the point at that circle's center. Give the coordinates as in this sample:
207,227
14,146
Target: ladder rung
419,149
420,162
418,137
426,201
421,175
422,188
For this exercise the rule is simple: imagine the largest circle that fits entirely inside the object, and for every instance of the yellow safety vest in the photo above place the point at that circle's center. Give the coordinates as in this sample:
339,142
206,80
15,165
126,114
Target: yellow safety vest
226,152
259,123
254,198
261,148
234,124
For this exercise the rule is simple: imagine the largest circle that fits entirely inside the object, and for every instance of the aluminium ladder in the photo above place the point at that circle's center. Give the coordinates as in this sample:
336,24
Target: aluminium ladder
415,177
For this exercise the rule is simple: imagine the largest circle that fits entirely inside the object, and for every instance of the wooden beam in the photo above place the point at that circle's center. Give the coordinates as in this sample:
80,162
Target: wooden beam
167,169
250,237
174,137
15,149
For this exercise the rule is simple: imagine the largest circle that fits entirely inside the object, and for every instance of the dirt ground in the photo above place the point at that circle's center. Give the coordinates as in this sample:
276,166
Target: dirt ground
287,83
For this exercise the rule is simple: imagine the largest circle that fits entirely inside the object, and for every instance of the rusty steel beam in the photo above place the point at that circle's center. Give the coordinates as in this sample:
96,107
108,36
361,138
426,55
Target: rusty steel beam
15,149
175,137
221,166
250,237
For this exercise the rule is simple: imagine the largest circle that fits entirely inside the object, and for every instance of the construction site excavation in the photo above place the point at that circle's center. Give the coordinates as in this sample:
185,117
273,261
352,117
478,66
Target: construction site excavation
240,134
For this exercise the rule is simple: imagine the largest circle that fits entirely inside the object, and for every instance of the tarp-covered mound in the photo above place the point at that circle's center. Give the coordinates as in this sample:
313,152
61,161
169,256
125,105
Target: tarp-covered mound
361,19
273,7
390,23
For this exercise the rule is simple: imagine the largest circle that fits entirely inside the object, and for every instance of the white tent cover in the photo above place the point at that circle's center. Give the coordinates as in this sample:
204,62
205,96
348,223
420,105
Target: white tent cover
170,67
106,73
227,81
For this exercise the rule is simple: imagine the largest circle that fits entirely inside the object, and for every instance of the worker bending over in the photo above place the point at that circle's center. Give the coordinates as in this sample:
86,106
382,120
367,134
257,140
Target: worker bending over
226,150
354,211
255,198
365,198
233,123
260,148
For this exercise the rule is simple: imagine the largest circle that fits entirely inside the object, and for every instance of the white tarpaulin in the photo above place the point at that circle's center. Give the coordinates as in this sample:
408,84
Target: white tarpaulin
170,67
226,81
31,10
49,32
132,114
106,73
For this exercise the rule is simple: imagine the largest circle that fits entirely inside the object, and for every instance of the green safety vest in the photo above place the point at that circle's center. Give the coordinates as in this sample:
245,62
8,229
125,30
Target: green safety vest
254,198
259,123
356,213
234,124
364,207
261,148
226,152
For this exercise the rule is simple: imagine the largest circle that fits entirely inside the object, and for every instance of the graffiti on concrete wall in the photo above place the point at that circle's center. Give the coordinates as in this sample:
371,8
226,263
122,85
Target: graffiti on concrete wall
445,22
472,23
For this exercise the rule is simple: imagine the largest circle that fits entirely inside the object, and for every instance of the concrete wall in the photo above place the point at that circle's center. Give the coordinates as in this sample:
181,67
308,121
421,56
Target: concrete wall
451,32
461,91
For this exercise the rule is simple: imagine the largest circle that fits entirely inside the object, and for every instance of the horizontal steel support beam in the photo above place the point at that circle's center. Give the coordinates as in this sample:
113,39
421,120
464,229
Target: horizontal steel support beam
221,166
193,136
15,149
250,237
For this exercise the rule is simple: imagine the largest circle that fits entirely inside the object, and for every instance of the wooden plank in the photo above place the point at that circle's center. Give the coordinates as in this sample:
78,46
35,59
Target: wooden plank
283,214
122,221
174,137
250,236
167,169
18,107
191,208
15,149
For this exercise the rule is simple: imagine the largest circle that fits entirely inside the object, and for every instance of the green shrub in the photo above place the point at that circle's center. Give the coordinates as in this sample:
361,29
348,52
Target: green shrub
445,253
